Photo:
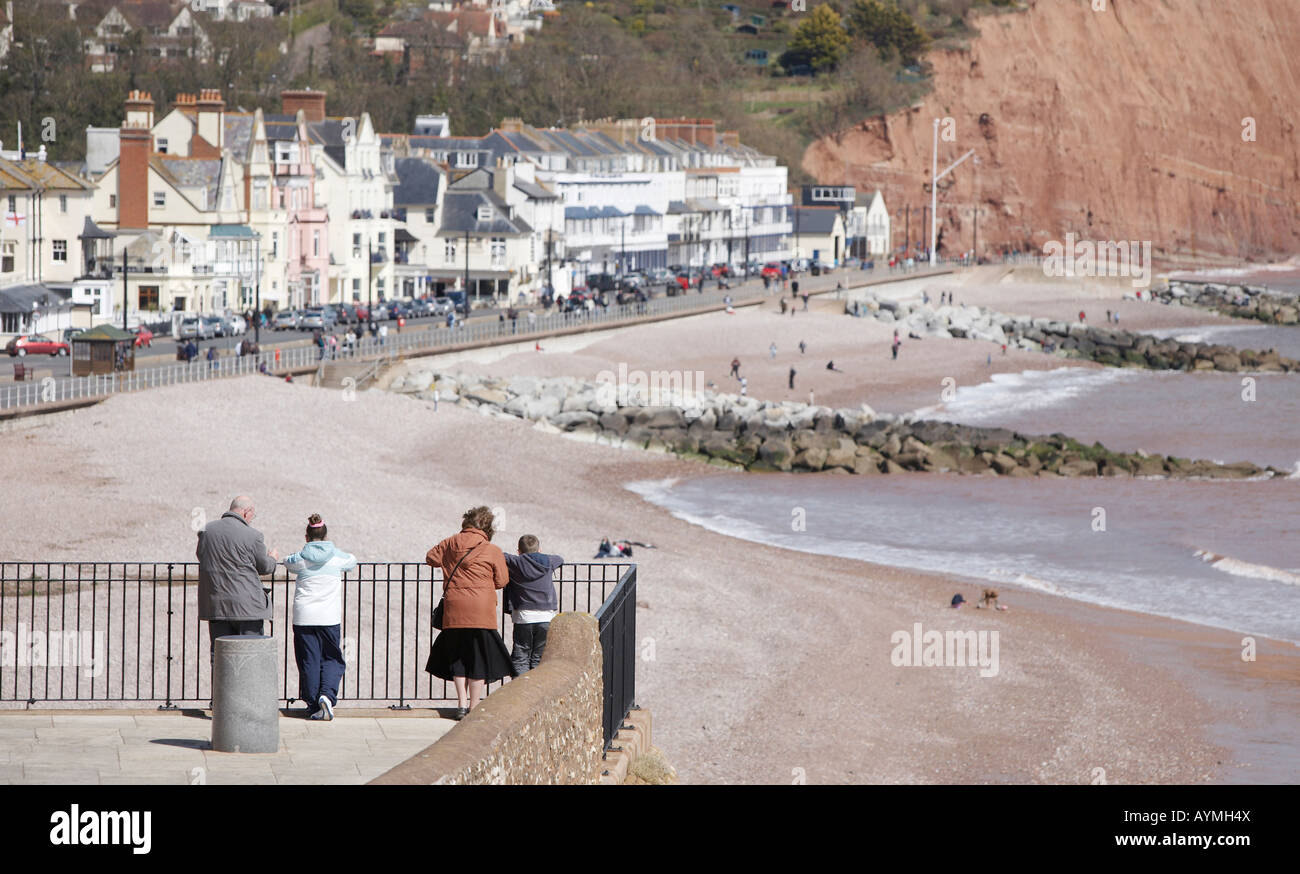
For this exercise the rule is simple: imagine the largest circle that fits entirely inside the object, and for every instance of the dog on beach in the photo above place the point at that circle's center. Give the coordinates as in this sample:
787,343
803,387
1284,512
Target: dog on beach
990,600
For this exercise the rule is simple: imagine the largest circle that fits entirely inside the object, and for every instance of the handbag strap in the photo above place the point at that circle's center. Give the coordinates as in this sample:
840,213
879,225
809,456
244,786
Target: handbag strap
447,580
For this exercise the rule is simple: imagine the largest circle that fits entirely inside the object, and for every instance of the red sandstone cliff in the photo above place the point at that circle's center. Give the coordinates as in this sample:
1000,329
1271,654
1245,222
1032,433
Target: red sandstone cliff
1119,125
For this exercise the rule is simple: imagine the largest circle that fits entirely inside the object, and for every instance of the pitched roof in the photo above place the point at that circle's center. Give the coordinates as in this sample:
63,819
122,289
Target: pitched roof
816,219
419,182
460,215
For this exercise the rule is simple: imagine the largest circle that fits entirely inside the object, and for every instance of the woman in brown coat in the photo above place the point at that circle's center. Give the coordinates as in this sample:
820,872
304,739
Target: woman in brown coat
469,650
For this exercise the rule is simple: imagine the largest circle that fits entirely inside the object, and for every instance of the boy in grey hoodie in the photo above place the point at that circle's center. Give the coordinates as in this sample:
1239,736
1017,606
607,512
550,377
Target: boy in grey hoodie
530,597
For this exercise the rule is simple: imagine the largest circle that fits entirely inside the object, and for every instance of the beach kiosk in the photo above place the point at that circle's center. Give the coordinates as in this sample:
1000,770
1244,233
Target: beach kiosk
105,349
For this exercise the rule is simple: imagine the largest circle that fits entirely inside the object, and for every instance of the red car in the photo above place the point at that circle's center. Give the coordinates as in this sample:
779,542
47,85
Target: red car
772,270
35,344
143,337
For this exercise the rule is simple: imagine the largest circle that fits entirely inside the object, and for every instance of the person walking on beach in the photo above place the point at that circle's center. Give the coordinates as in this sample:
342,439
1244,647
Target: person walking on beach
744,387
803,347
469,650
792,373
317,618
897,342
383,334
772,349
1083,317
805,301
735,368
531,601
232,558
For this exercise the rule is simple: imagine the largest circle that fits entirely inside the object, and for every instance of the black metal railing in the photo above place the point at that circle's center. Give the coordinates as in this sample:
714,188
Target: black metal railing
106,633
617,620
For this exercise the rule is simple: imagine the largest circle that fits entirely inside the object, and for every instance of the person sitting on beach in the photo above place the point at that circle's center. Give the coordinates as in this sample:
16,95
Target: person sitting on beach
317,618
957,601
605,549
531,601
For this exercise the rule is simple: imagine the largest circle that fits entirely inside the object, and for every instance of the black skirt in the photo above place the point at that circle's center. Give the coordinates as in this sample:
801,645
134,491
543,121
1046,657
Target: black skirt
476,653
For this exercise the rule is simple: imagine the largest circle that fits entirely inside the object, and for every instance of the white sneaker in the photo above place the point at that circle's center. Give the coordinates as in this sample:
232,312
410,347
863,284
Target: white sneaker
326,708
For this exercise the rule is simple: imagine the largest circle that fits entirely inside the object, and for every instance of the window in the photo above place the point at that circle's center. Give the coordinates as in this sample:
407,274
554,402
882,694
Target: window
63,204
498,252
61,250
281,191
315,243
430,214
162,145
448,250
275,244
13,203
466,159
259,195
160,198
383,237
147,297
7,257
356,245
356,287
112,201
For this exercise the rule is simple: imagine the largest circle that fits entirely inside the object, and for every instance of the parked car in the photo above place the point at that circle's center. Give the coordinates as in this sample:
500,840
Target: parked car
285,320
143,337
820,266
442,306
346,314
602,281
318,317
420,307
231,326
36,344
196,328
362,312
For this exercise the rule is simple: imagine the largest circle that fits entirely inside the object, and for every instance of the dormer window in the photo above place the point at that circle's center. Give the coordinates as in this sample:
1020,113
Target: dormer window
485,213
466,159
162,145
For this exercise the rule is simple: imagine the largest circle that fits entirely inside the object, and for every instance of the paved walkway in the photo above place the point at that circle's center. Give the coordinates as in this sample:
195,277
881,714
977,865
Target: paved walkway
175,748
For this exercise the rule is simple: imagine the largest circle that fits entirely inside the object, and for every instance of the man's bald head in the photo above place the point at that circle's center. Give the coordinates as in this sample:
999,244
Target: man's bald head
243,507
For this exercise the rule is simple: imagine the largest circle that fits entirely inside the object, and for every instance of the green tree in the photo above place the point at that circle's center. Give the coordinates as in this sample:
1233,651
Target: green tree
885,26
820,41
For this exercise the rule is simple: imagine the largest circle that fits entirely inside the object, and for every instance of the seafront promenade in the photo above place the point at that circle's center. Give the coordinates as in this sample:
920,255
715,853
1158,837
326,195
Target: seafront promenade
146,746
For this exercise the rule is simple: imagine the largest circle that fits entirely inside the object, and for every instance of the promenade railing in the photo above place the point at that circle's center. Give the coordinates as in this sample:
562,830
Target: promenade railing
415,339
83,635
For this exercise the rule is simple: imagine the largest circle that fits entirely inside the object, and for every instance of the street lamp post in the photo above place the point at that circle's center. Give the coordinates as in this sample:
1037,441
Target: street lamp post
257,289
935,176
125,293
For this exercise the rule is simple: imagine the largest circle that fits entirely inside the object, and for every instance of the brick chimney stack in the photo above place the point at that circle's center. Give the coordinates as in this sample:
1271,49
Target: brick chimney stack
312,103
139,109
211,126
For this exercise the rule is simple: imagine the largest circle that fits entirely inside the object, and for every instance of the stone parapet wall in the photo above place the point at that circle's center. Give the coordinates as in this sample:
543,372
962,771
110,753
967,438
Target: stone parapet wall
542,728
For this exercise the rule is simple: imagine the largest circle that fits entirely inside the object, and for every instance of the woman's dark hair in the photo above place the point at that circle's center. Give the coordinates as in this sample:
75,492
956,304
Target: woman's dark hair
316,529
480,518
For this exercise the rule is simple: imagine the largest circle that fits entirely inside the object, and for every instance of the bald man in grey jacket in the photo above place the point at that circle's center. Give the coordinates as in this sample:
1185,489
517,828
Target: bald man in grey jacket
232,558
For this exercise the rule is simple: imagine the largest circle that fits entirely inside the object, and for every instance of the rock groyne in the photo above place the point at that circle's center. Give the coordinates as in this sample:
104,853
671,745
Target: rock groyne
1110,346
733,431
1238,301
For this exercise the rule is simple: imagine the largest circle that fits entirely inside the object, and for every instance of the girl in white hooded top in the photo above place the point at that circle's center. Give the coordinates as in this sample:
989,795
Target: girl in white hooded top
317,618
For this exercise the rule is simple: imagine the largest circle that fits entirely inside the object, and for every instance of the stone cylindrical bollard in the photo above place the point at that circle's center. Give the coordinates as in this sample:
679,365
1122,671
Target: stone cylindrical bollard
245,707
